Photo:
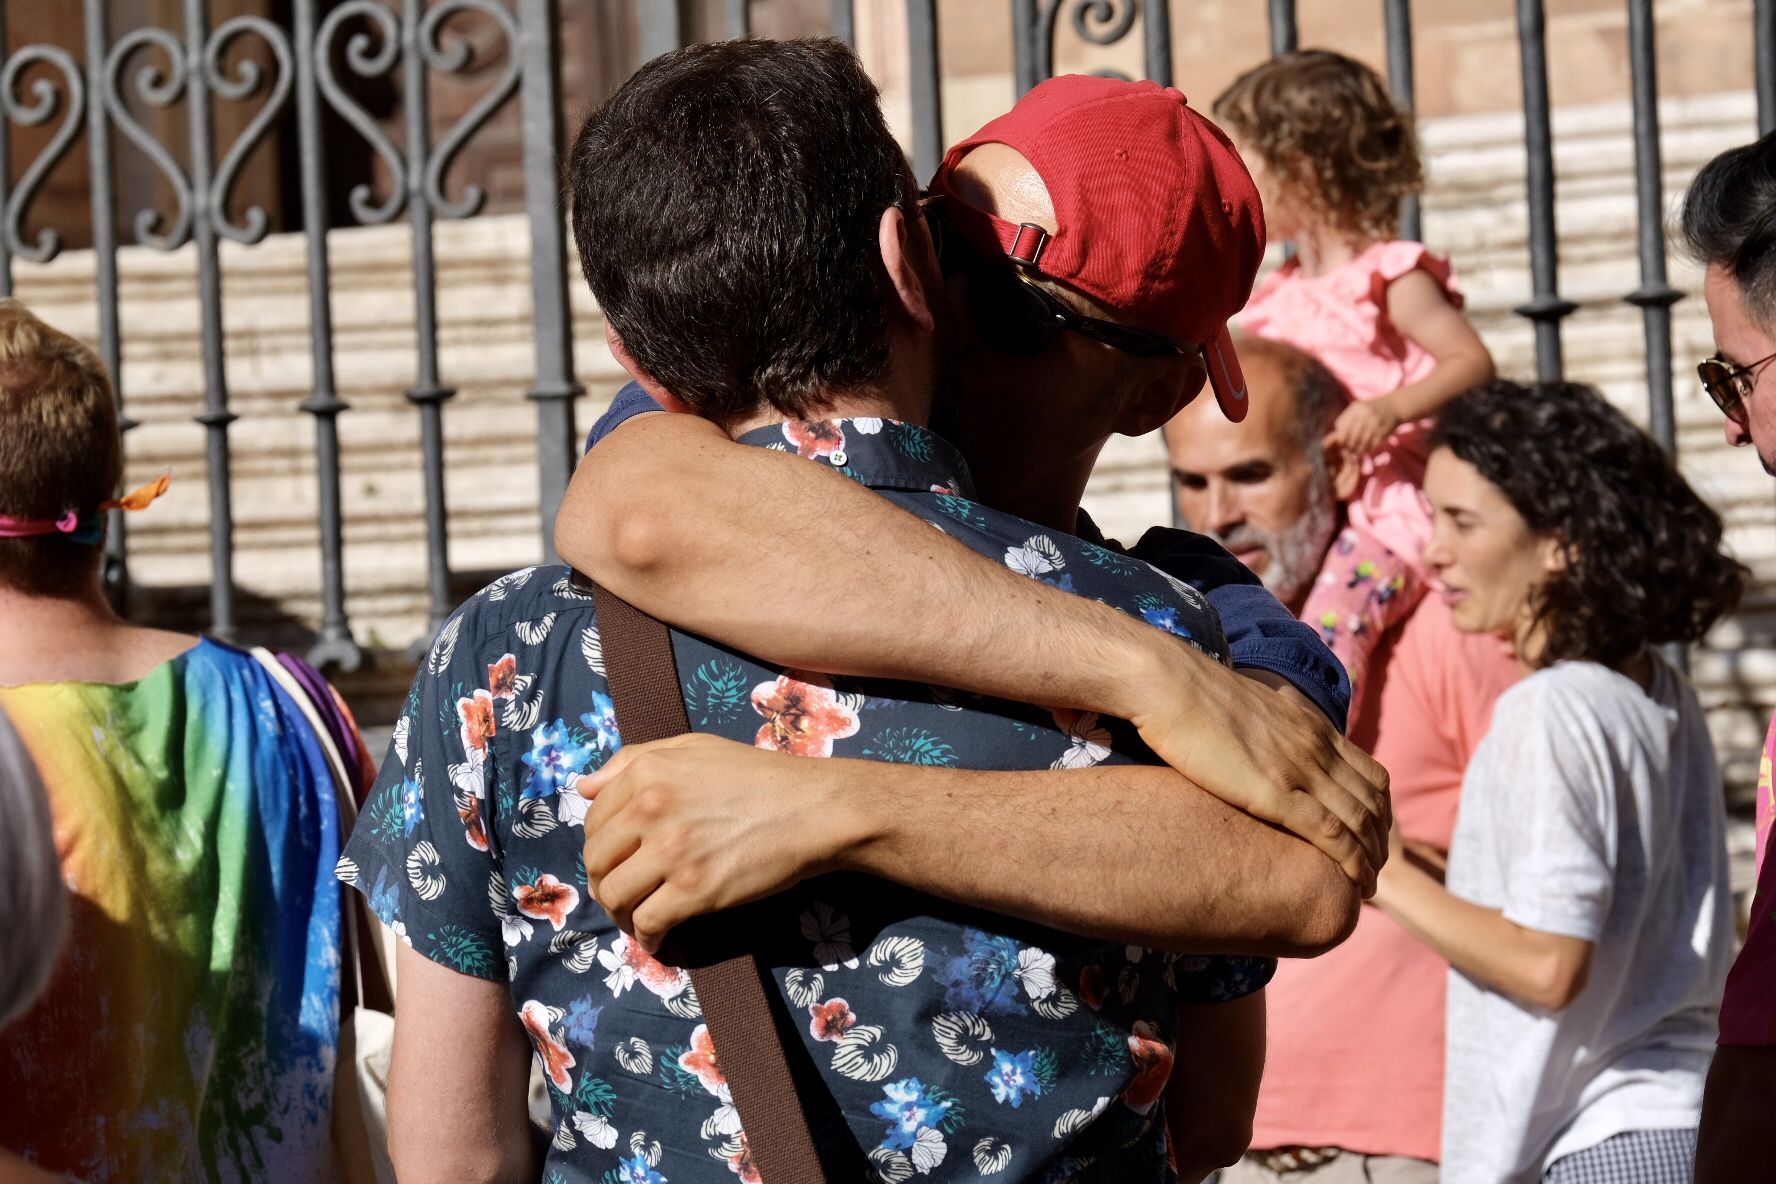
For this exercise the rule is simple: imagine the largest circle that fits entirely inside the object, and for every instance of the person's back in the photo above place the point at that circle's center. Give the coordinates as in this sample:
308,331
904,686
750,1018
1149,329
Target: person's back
189,1030
953,1041
1627,779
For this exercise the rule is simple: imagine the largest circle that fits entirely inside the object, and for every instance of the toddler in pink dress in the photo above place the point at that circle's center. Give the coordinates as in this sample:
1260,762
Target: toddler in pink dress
1333,155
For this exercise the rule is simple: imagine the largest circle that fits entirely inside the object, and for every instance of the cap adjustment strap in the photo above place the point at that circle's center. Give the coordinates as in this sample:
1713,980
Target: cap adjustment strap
1028,244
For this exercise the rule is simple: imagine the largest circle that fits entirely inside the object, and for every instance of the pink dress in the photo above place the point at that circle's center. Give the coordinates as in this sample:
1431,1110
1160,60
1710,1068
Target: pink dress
1341,318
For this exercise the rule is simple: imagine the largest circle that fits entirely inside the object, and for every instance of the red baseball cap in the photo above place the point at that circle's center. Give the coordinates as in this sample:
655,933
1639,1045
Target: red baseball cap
1156,216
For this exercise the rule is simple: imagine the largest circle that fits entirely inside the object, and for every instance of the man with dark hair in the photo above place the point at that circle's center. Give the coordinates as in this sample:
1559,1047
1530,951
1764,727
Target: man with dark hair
1354,1075
1729,226
972,966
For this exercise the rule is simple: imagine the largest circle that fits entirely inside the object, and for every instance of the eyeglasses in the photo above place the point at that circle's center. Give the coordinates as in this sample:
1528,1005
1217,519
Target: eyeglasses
1729,386
1019,316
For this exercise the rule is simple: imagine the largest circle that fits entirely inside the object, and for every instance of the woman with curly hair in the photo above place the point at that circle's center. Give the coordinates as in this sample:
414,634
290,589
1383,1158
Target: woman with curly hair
1333,155
1586,916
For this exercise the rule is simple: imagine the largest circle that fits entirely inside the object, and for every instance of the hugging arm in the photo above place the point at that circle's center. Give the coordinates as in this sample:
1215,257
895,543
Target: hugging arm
696,824
711,558
1736,1133
1213,1094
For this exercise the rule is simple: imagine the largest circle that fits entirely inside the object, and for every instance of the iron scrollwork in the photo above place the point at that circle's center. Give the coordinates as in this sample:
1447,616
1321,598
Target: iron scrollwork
246,82
161,89
1098,22
453,59
369,56
40,109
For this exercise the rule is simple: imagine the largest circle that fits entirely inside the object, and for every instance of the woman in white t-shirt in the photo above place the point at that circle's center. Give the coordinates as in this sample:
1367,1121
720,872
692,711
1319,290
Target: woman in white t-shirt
1586,917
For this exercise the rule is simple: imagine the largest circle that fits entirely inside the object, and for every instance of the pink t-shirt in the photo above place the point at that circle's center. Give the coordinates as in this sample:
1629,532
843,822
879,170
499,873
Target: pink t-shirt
1355,1040
1341,319
1748,1011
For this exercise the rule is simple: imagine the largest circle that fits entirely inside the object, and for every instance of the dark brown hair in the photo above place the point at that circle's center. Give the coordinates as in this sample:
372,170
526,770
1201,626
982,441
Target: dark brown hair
1644,560
1329,131
60,448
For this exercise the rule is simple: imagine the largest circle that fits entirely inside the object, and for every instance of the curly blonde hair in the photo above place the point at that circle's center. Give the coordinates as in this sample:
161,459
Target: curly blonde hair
1329,131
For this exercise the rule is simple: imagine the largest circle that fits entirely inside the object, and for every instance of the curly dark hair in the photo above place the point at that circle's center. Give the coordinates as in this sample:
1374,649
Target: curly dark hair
1644,560
1329,131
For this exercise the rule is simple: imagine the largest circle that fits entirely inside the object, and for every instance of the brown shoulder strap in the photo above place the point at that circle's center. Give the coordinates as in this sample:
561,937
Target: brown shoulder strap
644,689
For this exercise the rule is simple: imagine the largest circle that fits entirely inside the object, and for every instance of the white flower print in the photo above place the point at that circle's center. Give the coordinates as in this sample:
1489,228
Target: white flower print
640,1145
629,964
904,958
1035,972
513,927
725,1122
928,1150
424,871
563,1140
399,929
470,777
991,1156
1026,562
597,1128
346,871
635,1056
592,649
521,709
962,1036
831,934
804,987
533,818
535,632
508,583
1057,1006
1089,742
565,588
1074,1121
584,946
864,1054
403,729
571,805
892,1167
445,647
866,425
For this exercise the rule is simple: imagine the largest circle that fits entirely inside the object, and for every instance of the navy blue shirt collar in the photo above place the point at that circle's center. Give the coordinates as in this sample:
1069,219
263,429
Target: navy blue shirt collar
879,453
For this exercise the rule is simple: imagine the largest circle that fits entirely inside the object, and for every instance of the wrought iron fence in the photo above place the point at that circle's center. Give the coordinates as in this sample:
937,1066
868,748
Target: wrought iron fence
97,95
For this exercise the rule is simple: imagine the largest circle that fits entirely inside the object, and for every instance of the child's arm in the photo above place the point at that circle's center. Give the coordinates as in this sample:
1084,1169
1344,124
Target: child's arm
1422,313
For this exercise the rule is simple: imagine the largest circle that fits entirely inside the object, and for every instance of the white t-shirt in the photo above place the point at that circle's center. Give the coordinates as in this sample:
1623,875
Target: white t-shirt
1592,810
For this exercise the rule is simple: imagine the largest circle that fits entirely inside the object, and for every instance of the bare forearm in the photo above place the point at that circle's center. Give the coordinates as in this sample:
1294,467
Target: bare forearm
865,597
1455,376
1531,967
1129,853
1737,1140
1213,1094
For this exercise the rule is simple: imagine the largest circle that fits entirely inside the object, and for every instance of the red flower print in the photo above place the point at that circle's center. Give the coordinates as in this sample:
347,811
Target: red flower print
803,715
830,1020
477,722
1152,1058
502,677
740,1163
700,1060
628,963
813,439
555,1057
468,808
547,900
1092,987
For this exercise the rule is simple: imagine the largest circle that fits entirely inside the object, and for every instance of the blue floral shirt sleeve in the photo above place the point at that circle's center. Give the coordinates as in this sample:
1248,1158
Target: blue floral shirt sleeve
419,852
630,402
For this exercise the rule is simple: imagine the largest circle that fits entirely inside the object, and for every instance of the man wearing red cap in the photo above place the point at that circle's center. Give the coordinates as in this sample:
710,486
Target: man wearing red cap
1096,240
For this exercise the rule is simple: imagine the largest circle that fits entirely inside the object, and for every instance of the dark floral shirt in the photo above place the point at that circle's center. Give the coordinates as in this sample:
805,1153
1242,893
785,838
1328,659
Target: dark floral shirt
956,1044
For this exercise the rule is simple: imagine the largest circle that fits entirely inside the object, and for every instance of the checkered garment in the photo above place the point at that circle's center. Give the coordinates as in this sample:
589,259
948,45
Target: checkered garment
1637,1157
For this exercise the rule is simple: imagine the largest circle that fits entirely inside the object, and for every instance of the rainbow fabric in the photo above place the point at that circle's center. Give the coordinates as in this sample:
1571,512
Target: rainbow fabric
190,1030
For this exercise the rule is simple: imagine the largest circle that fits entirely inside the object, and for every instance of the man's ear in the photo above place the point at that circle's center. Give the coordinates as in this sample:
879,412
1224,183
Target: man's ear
911,264
658,393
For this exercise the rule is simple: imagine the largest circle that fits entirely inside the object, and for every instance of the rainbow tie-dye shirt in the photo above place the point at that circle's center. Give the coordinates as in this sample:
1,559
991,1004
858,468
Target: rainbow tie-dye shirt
191,1027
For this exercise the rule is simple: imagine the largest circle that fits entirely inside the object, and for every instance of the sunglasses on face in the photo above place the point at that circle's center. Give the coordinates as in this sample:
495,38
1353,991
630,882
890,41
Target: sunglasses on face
1729,386
1018,315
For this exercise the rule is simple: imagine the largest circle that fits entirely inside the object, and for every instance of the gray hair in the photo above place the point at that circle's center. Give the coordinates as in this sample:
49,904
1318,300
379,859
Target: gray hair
1319,394
33,901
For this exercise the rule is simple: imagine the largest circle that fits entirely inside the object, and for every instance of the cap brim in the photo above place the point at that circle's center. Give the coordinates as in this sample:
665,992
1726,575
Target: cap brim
1225,375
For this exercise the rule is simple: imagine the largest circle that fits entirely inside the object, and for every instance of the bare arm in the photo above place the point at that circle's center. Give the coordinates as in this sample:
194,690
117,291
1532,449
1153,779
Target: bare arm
458,1080
705,559
1422,313
1737,1140
1213,1093
14,1170
696,824
1544,970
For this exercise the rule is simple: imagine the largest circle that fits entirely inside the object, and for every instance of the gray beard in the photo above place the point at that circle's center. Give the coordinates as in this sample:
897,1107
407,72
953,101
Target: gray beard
1299,551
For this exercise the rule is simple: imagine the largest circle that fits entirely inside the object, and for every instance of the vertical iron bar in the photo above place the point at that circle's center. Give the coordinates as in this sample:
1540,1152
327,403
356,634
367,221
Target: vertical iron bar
737,19
5,169
844,22
1026,54
662,28
427,393
335,647
1763,39
1156,29
1655,296
104,249
554,388
1283,37
927,102
1545,307
215,416
1398,15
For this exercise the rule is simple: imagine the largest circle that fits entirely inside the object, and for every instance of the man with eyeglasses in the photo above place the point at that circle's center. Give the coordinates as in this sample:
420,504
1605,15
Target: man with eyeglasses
1729,225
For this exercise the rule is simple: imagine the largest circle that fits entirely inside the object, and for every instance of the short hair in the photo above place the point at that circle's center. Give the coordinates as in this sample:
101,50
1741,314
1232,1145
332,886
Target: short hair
1729,219
1320,396
60,448
1330,132
726,207
1644,559
32,897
